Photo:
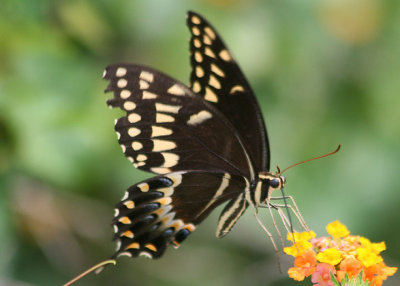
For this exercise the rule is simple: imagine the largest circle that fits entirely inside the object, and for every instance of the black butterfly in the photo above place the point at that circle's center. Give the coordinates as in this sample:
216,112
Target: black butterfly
207,143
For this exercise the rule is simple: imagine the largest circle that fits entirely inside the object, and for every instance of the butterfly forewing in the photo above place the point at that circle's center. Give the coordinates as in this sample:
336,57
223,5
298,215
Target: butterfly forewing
166,209
206,143
218,79
169,128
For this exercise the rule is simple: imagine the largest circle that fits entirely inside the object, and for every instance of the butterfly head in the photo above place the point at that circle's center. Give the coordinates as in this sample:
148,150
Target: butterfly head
267,183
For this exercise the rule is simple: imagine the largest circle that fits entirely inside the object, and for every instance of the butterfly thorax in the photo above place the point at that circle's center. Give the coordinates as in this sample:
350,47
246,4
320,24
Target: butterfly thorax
266,183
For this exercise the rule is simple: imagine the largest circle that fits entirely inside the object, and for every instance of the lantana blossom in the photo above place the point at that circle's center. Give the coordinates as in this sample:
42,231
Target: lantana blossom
341,255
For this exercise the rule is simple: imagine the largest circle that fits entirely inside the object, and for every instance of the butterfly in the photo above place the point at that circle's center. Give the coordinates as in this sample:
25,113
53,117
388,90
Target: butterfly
206,143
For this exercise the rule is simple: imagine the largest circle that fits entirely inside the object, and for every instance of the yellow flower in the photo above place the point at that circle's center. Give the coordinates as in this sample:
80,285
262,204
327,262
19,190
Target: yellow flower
300,236
331,256
368,257
337,230
298,249
372,246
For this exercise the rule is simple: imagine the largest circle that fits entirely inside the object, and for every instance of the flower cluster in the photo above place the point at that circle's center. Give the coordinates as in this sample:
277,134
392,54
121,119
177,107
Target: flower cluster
339,254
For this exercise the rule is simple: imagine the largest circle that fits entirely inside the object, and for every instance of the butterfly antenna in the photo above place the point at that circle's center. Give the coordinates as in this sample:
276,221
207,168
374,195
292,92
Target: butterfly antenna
319,157
90,270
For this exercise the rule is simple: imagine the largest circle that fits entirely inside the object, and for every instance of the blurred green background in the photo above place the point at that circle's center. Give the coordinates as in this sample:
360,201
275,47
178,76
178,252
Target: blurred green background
325,72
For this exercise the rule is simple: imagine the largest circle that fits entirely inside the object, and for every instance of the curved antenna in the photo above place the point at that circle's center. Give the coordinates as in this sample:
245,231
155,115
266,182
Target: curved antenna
319,157
97,266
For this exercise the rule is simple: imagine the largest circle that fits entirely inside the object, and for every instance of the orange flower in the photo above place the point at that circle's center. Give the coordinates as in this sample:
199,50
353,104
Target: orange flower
379,272
296,273
322,275
351,266
307,262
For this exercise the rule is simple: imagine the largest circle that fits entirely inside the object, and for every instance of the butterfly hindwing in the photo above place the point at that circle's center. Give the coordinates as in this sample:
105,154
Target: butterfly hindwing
166,209
231,214
216,77
168,128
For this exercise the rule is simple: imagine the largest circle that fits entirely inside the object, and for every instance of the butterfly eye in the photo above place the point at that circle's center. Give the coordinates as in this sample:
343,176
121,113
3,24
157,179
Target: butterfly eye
274,183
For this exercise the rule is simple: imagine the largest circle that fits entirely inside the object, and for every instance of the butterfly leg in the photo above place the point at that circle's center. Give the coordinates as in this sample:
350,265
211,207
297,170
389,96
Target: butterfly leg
270,206
295,210
271,238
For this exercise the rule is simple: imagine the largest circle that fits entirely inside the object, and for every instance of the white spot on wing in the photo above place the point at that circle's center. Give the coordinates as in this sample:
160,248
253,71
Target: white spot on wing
176,179
160,131
145,254
207,40
170,159
195,31
136,145
198,57
225,55
141,157
129,105
134,117
213,81
125,94
236,88
149,95
199,118
215,69
163,145
144,187
199,71
120,72
167,108
125,253
210,95
148,76
143,84
209,53
129,204
176,90
210,32
122,83
163,118
139,164
196,20
161,170
197,43
133,131
196,87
